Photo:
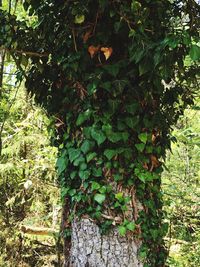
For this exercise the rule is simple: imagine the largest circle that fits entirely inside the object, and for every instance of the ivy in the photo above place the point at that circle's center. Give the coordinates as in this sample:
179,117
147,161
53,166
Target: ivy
113,75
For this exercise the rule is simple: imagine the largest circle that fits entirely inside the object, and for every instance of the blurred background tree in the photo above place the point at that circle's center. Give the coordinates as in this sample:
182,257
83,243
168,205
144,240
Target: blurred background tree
181,191
29,192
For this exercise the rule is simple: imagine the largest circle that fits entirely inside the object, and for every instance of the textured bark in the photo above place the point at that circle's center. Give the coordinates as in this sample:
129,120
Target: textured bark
91,249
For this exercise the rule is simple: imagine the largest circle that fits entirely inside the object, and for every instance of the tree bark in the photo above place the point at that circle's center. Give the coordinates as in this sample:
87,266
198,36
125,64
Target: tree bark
89,248
2,56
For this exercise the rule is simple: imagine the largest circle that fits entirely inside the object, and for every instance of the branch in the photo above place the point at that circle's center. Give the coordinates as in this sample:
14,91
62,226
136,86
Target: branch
28,53
31,230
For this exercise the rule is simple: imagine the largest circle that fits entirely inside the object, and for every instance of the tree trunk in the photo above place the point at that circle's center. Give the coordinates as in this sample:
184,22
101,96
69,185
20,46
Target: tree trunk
89,248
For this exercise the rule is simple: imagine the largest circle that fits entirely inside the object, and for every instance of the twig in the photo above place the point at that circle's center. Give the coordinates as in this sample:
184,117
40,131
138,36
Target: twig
95,24
28,53
74,40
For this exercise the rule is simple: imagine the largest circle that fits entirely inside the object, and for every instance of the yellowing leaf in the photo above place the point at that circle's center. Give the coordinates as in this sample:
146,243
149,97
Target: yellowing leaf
107,51
79,19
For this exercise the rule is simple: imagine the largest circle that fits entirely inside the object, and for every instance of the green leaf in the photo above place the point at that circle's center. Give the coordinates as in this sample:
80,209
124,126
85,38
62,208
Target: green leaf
119,86
119,196
107,128
115,137
82,117
143,137
87,146
145,66
117,177
74,153
107,86
95,186
97,172
91,88
100,198
130,226
112,69
78,161
110,153
132,108
103,189
61,164
125,136
84,175
83,166
113,105
87,132
195,52
122,230
90,156
98,136
140,147
131,122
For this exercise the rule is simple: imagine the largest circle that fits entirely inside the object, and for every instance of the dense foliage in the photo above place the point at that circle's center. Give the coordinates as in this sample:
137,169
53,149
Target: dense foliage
114,74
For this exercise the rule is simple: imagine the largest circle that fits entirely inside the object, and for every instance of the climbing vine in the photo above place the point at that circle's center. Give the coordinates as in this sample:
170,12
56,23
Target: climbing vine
115,75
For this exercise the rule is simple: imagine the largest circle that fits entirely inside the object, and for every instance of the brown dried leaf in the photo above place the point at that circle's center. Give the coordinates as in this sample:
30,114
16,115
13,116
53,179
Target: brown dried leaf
154,162
92,50
107,51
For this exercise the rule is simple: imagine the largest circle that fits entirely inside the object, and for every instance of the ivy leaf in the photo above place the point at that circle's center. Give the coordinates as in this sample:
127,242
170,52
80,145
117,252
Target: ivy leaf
61,164
100,198
130,226
87,146
83,166
78,161
122,230
84,175
107,86
90,156
98,136
115,137
93,50
143,137
145,66
95,186
112,69
132,108
119,196
125,136
82,117
195,52
97,172
91,88
107,51
113,105
74,153
131,122
140,147
110,153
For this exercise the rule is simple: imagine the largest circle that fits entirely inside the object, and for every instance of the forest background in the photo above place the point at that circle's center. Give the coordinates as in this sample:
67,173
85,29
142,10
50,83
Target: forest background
30,203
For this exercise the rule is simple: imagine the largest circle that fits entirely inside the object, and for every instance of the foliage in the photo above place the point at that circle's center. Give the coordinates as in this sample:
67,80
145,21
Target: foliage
114,74
28,190
181,189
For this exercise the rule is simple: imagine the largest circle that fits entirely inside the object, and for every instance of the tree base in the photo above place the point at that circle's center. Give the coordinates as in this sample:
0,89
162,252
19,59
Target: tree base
91,249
